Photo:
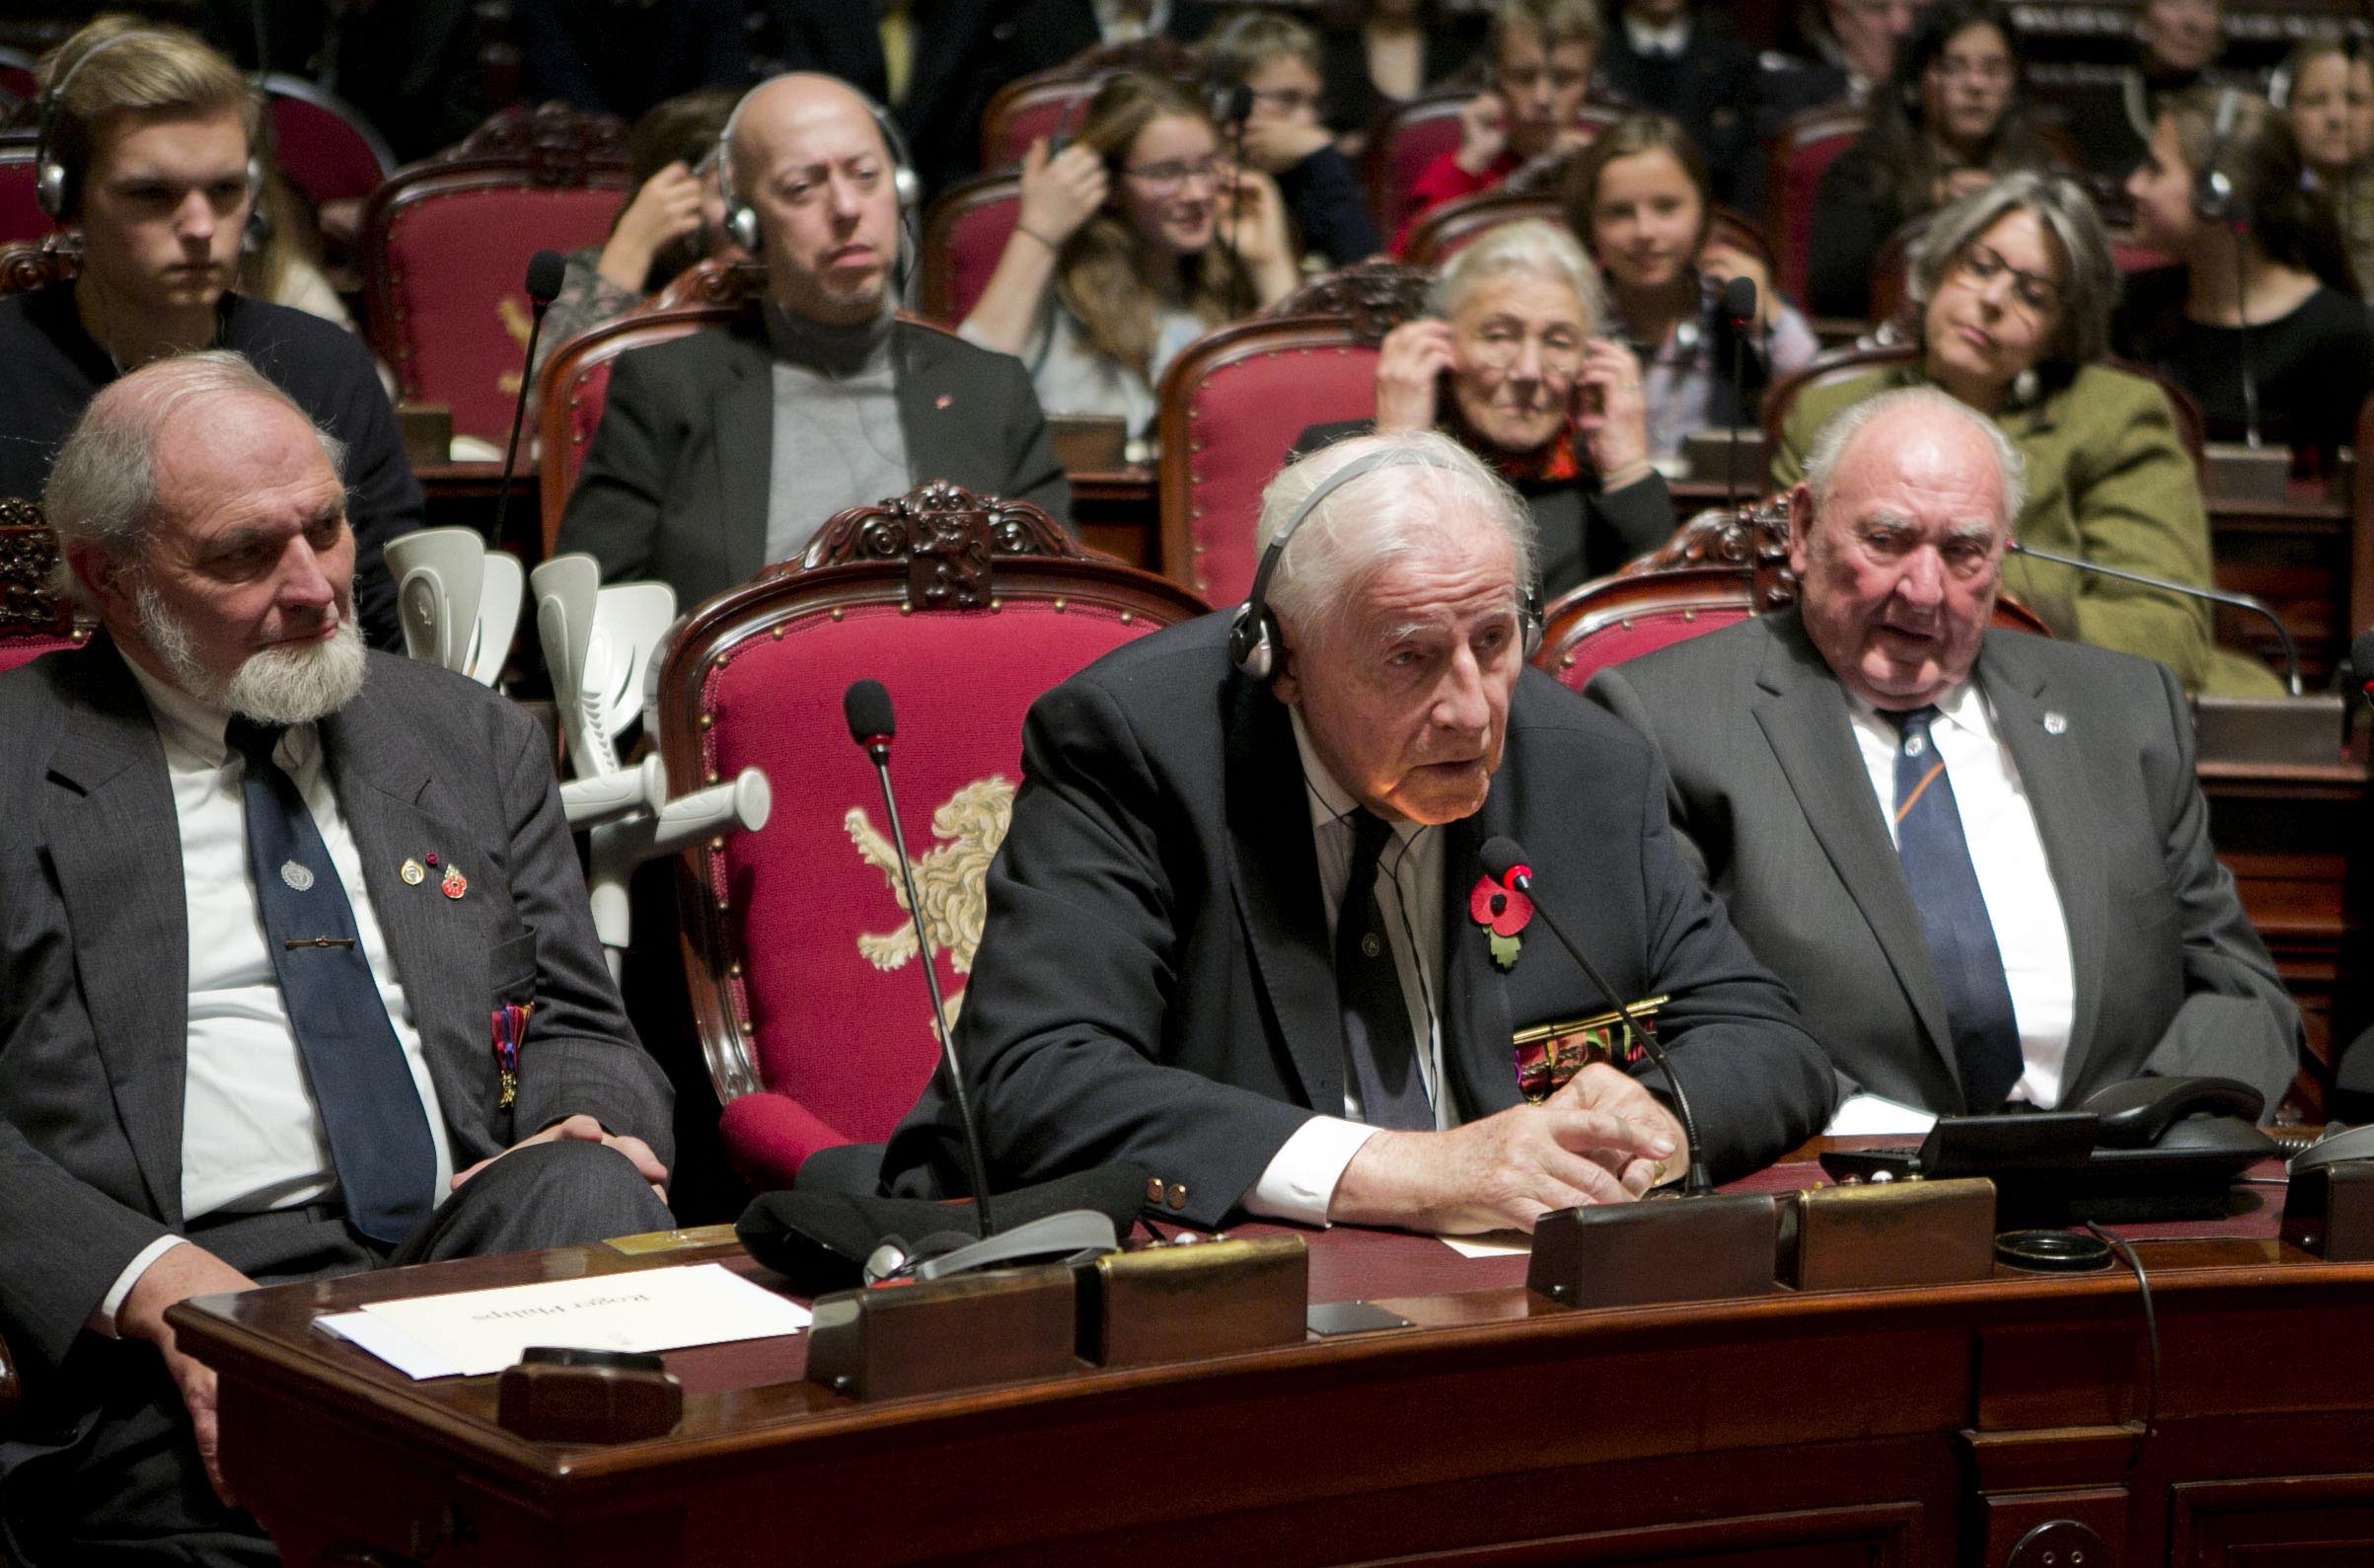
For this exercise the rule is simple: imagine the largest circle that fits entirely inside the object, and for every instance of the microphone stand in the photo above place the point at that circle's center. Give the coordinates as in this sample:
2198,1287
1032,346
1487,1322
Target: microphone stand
2185,590
2240,228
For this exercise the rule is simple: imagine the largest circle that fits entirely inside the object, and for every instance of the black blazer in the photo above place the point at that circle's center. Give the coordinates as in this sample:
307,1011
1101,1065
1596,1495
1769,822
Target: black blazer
1155,982
675,485
1713,88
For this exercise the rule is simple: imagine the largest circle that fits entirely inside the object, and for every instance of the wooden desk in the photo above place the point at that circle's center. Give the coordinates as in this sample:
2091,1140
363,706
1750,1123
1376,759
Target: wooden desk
1909,1428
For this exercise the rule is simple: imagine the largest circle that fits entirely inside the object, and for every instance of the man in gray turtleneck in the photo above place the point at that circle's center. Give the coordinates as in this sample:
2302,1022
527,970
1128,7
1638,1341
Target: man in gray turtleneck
727,449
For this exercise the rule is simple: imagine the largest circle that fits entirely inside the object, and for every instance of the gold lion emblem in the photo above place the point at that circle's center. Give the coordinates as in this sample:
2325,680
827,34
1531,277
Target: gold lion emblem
951,877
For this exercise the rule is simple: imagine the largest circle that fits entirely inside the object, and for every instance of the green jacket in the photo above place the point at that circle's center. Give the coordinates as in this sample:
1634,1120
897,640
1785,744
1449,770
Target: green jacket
2108,479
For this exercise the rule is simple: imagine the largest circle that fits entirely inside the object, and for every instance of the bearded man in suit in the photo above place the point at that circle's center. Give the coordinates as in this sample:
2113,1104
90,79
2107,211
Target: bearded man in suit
301,975
1239,932
1981,858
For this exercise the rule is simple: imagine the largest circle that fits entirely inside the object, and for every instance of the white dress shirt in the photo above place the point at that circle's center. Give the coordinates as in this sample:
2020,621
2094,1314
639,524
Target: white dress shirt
2014,877
1301,1177
1130,21
251,1137
1650,43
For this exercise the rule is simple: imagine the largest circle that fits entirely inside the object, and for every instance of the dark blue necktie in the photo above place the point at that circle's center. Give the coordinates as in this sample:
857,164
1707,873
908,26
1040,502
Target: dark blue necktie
1954,919
379,1138
1379,1051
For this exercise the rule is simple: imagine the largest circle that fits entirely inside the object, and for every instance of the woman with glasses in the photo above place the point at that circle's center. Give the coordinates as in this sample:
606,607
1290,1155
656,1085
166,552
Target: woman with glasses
2326,87
1273,60
1641,200
2009,292
1133,242
1952,116
1511,362
2263,278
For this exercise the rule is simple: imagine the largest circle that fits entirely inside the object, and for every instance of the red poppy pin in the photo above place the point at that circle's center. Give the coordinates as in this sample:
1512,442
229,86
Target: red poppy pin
1502,911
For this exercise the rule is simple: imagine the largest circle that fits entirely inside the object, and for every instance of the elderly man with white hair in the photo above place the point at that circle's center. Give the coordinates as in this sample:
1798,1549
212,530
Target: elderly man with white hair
1512,361
1242,933
1979,858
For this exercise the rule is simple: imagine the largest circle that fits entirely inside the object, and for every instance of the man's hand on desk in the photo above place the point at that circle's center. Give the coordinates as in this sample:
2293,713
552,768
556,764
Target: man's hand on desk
176,1275
585,1130
1600,1139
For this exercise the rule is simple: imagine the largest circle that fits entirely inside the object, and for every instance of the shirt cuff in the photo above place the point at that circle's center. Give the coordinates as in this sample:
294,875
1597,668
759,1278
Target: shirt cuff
1299,1183
102,1317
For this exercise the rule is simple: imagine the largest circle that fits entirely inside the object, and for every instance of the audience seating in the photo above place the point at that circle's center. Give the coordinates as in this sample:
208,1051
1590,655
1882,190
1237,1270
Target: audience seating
445,248
34,620
575,378
1233,404
321,143
1444,230
964,234
1805,145
1046,102
20,214
1421,131
798,951
1718,569
25,265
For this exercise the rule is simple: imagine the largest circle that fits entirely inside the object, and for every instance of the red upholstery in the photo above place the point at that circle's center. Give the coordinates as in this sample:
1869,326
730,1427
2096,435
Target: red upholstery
16,651
1232,405
964,234
1033,109
1612,633
324,147
444,249
21,215
1420,131
1800,149
805,958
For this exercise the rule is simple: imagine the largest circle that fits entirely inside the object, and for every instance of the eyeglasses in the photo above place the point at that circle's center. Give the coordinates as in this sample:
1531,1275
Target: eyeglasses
1287,100
1164,179
1495,349
1978,266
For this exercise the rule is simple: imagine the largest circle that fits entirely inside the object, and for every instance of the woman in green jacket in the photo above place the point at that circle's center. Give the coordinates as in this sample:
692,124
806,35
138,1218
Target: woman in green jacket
2010,291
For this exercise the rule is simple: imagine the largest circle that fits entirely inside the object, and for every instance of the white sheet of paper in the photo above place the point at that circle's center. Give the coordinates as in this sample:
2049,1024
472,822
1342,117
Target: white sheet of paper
1872,1116
472,1332
1496,1244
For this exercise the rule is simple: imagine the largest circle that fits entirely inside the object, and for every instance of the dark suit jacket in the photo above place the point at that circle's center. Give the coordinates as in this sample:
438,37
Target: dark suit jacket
1772,798
93,944
1155,984
675,486
1712,88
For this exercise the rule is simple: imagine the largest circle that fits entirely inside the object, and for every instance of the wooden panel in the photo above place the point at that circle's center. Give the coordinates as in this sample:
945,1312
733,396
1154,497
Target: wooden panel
2314,1521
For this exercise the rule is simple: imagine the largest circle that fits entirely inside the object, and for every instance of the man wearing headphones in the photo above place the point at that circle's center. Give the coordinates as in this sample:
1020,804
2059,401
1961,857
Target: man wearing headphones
729,448
1242,930
148,151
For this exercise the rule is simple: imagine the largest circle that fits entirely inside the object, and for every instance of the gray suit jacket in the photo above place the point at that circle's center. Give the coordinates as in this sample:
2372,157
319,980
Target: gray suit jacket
675,486
94,944
1771,794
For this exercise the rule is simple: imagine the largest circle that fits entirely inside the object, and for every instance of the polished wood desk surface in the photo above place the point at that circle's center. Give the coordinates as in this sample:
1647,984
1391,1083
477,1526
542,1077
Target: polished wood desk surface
1916,1426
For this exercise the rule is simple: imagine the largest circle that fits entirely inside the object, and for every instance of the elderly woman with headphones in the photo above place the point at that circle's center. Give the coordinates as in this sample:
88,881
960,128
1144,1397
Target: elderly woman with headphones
2260,319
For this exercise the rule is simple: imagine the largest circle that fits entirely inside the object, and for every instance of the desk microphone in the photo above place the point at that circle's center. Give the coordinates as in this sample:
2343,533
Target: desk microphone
1739,311
546,271
1505,863
2183,590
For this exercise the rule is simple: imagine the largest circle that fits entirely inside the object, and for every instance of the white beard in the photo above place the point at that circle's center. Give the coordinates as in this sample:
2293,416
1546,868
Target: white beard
287,685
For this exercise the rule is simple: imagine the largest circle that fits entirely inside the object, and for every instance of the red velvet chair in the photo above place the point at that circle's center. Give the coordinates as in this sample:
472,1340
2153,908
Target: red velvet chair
1800,150
800,954
1051,101
34,620
1718,569
1234,401
964,233
321,144
1446,229
20,214
444,250
1418,132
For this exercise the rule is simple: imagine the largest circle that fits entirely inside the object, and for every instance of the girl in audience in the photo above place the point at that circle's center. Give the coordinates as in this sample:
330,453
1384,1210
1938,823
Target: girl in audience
1640,198
1512,362
1392,52
1274,60
1952,116
2012,287
2261,259
1133,242
2329,92
1542,53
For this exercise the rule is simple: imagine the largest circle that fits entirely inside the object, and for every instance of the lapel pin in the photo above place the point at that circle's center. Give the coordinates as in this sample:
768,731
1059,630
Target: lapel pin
412,873
942,401
455,883
2056,723
295,875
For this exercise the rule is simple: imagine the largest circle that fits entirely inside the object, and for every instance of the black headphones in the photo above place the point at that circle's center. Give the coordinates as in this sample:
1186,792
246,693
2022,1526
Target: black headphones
2214,198
53,185
1254,638
742,219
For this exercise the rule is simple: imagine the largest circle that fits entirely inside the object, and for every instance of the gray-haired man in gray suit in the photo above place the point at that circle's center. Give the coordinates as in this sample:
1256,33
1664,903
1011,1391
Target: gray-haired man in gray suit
301,977
2093,936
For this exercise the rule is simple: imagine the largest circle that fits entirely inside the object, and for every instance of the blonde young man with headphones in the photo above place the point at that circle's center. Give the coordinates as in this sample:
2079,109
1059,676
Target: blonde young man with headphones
1254,848
727,449
147,151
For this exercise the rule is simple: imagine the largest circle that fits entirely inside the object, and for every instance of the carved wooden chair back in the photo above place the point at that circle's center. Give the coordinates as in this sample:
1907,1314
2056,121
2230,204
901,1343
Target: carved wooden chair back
800,954
34,619
27,265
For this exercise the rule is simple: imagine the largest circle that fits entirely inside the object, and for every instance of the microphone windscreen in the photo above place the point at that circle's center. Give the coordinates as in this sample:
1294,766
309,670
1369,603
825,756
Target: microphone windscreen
1738,301
1499,855
866,707
2361,658
1233,106
546,271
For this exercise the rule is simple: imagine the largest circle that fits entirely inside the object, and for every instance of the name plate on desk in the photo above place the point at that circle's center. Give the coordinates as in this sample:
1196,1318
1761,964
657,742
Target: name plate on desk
936,1337
1900,1232
1659,1249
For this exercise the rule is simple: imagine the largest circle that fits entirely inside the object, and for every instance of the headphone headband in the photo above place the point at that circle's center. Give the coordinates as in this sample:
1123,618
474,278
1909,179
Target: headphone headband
742,219
53,185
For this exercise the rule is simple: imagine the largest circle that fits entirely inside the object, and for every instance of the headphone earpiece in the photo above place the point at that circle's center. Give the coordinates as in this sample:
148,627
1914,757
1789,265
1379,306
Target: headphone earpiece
2214,199
742,219
53,186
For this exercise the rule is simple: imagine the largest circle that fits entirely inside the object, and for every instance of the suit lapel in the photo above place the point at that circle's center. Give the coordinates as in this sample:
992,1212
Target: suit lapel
1802,709
115,830
1476,1023
926,400
1277,885
2052,775
743,421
